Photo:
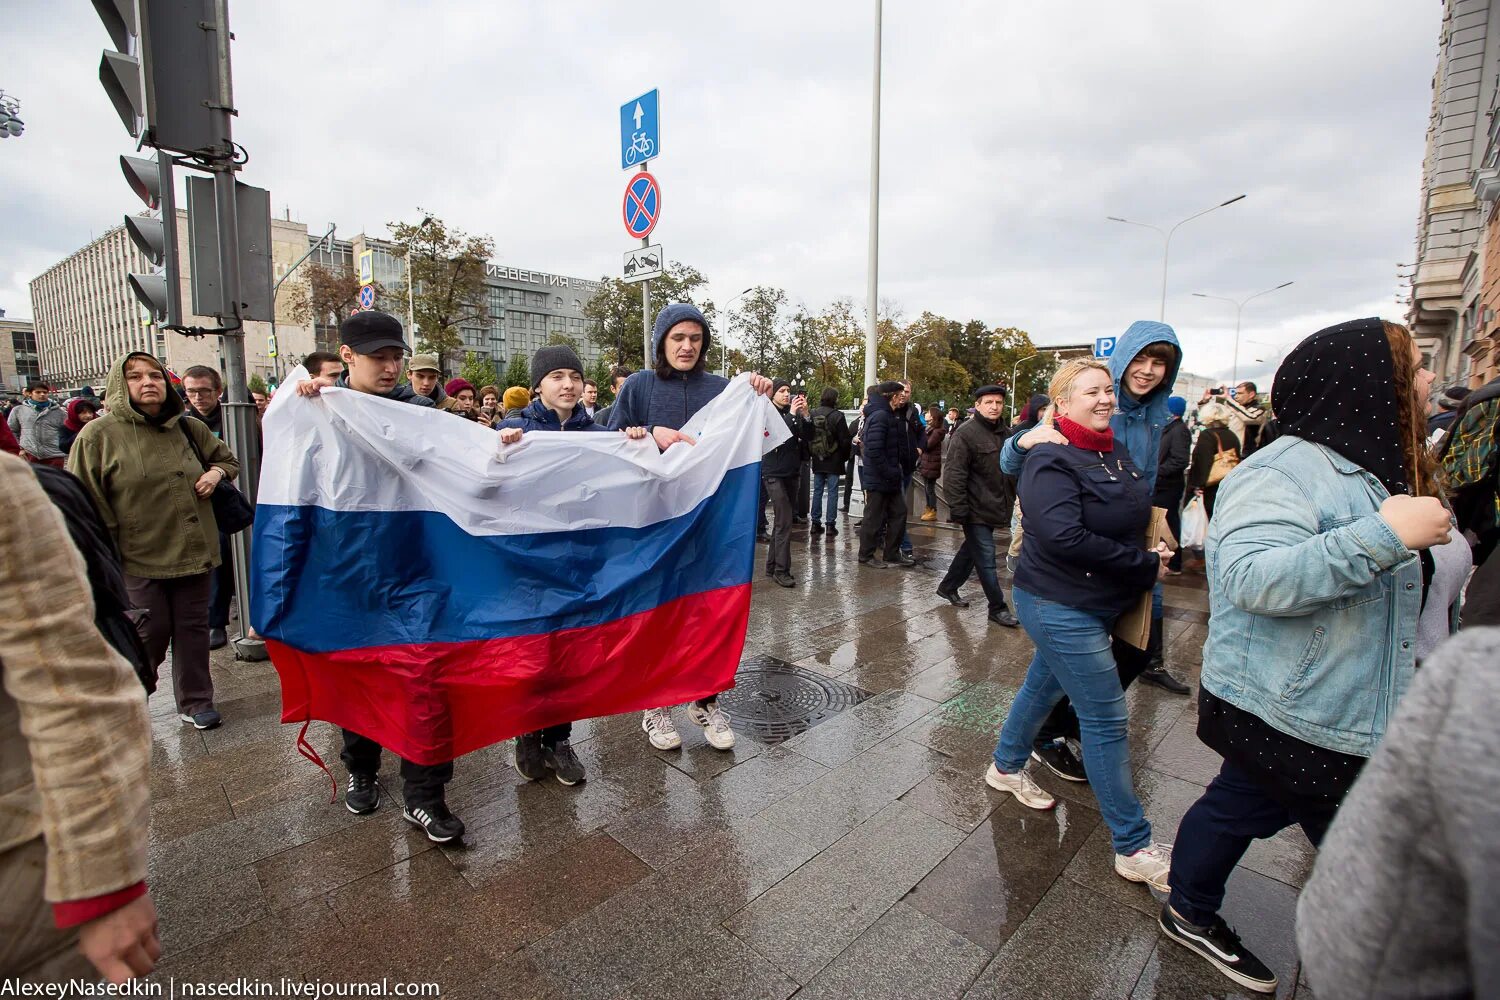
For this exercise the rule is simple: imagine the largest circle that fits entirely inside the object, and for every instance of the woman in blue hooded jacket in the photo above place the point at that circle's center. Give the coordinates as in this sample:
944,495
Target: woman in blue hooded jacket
1319,600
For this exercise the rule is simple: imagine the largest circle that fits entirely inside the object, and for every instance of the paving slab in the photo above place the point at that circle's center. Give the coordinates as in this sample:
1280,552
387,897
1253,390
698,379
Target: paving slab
809,918
903,954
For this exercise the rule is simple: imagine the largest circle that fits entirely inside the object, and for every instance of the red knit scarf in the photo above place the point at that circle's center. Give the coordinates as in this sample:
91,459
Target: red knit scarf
1080,436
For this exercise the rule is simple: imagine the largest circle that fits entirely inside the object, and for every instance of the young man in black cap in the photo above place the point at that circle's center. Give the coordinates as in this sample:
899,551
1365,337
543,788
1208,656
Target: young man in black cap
980,498
885,444
372,347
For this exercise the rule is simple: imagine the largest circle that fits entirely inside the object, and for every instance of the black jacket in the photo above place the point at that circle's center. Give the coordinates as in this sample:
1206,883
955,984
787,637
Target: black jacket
915,436
785,460
976,490
101,561
1172,463
1085,519
1210,440
884,445
838,427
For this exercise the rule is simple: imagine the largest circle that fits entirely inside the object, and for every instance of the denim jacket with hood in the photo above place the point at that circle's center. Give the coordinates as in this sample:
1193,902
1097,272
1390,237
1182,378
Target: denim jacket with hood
1137,423
1313,599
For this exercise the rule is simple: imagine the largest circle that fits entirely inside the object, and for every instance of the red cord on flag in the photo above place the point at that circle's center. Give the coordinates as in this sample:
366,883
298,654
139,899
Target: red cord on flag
306,749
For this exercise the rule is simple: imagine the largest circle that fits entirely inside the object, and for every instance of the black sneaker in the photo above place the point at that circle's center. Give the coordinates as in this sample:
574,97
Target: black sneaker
831,531
816,529
206,719
1060,760
217,638
563,763
1221,946
761,536
436,821
784,579
529,757
362,794
903,559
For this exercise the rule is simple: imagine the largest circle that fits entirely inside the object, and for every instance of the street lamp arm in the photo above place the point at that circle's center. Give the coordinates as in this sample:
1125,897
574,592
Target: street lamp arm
1268,291
325,238
1129,222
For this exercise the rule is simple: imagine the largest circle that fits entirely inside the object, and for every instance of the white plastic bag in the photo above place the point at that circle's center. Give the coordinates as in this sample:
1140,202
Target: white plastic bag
1194,525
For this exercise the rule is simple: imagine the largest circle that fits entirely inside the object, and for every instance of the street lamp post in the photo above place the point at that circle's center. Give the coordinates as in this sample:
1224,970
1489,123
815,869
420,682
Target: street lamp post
1166,247
1239,309
724,346
411,310
872,322
325,238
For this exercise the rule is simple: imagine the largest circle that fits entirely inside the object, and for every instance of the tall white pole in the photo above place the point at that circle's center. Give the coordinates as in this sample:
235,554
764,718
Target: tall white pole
874,262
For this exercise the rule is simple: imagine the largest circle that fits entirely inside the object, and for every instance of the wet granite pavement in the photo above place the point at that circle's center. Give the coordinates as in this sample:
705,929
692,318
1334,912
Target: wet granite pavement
864,857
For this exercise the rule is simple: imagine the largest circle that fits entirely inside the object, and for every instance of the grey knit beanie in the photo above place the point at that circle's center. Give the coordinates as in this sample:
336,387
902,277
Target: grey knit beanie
550,359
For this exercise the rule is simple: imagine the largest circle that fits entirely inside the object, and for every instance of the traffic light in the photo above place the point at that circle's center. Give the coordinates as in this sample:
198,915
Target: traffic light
161,290
163,74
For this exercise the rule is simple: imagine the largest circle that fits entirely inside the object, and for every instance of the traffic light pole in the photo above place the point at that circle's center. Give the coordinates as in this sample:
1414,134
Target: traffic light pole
240,423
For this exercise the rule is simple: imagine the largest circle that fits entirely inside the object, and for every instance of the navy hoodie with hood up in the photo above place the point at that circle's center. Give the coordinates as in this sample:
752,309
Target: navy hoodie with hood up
648,400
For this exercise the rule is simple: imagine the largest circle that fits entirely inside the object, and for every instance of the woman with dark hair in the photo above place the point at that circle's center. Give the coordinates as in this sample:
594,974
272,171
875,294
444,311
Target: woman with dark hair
663,399
81,410
459,399
931,465
1317,585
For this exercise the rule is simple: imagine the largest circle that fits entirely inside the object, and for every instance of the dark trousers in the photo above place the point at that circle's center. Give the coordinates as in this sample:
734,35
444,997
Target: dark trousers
177,616
1217,831
885,516
803,496
779,557
1210,494
1171,501
553,735
760,510
221,593
906,479
422,784
931,486
1063,722
849,481
977,553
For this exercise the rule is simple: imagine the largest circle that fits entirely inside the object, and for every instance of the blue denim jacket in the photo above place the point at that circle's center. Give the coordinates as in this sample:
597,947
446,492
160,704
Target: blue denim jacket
1314,600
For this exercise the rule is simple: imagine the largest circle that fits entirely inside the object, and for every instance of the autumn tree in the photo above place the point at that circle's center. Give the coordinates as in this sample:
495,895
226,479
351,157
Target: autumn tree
445,267
322,298
518,372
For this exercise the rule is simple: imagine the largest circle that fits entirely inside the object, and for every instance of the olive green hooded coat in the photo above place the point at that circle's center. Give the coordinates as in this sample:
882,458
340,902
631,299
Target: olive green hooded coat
140,473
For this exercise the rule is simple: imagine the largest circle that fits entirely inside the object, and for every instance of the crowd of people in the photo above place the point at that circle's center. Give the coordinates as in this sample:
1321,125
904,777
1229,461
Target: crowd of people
1349,533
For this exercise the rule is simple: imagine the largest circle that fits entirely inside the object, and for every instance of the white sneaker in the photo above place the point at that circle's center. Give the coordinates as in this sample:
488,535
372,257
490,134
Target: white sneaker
715,724
1021,786
1150,865
657,722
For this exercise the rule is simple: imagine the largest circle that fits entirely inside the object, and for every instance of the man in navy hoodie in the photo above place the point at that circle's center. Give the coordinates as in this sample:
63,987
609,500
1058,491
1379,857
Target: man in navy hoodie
675,385
1144,367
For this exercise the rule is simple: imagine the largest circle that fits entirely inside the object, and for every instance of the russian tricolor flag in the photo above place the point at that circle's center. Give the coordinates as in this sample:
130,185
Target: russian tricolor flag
421,584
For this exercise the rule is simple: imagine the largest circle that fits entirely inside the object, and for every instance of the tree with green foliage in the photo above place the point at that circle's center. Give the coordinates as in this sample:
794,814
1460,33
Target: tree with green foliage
446,268
558,338
478,370
518,372
757,324
599,372
257,384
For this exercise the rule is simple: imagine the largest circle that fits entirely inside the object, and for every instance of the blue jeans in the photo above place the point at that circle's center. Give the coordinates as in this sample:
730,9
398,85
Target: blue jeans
830,509
1073,657
977,555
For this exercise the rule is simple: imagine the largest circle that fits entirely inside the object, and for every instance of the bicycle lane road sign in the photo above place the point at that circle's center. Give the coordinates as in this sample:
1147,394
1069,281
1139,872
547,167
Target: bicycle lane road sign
640,130
642,206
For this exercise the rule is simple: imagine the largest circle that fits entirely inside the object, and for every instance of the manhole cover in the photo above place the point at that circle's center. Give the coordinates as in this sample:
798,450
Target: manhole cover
774,700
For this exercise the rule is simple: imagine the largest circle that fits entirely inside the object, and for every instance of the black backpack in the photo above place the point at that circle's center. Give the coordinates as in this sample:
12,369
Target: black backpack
825,443
113,615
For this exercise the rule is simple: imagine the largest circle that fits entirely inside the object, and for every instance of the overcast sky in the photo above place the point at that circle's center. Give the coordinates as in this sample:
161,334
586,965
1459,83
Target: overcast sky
1010,131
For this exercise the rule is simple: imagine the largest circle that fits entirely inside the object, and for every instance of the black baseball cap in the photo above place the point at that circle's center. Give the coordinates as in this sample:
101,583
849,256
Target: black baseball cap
369,331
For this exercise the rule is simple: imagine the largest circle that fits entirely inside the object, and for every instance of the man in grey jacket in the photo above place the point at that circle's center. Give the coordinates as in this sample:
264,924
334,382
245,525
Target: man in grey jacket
1402,902
37,422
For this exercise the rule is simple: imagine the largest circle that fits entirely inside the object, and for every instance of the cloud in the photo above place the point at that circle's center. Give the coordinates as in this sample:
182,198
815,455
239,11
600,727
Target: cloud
1009,132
